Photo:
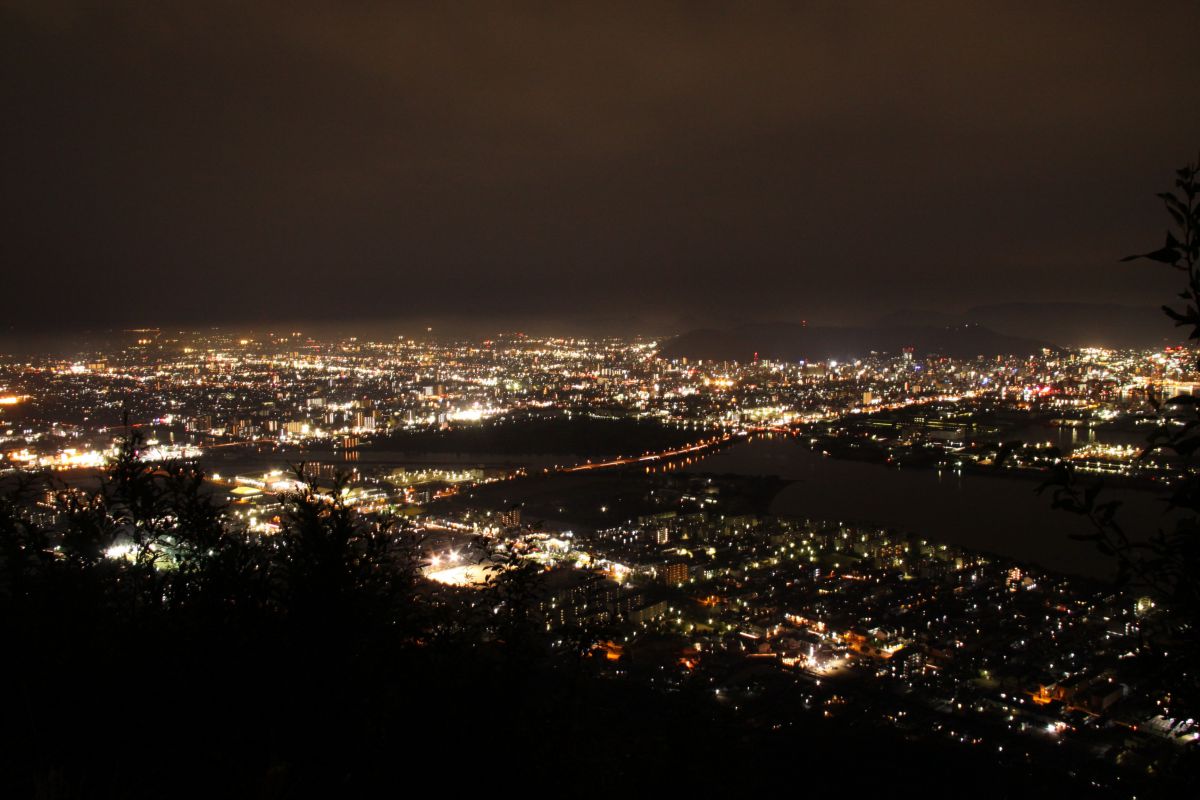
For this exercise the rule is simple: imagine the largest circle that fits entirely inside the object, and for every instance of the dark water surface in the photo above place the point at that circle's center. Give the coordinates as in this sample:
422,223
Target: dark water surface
1001,515
994,514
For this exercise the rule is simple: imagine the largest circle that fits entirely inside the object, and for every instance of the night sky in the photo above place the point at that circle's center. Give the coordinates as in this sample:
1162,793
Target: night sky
673,164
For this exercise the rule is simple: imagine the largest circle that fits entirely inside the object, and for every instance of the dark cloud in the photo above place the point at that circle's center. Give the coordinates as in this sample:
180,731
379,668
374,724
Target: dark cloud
227,161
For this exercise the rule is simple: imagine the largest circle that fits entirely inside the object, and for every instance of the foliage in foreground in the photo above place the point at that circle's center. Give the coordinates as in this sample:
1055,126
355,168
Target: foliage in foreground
1162,563
154,649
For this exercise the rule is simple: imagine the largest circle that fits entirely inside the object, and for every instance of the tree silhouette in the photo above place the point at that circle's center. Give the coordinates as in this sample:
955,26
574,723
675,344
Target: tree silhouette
1163,564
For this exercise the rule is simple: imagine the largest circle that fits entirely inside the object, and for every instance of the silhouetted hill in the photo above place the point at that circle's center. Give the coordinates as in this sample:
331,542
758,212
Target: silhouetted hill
1081,324
792,342
1065,324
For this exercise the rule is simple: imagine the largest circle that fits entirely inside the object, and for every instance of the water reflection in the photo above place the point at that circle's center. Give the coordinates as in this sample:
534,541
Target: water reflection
998,514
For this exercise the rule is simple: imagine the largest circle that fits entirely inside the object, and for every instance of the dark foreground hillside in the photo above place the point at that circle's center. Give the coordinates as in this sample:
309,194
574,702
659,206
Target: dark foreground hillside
171,712
153,649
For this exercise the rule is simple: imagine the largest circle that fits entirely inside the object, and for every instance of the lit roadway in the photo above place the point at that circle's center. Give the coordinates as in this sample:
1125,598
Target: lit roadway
717,441
698,447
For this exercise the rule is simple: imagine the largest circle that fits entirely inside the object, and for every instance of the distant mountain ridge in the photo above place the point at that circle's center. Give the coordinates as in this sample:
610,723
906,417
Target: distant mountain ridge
786,341
1065,324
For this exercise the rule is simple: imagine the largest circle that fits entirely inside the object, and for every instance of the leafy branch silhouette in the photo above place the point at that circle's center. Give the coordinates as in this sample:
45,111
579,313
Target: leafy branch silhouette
1163,564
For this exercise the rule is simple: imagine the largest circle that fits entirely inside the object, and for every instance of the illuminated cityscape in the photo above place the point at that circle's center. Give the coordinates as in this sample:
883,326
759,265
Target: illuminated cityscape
196,394
480,447
663,399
